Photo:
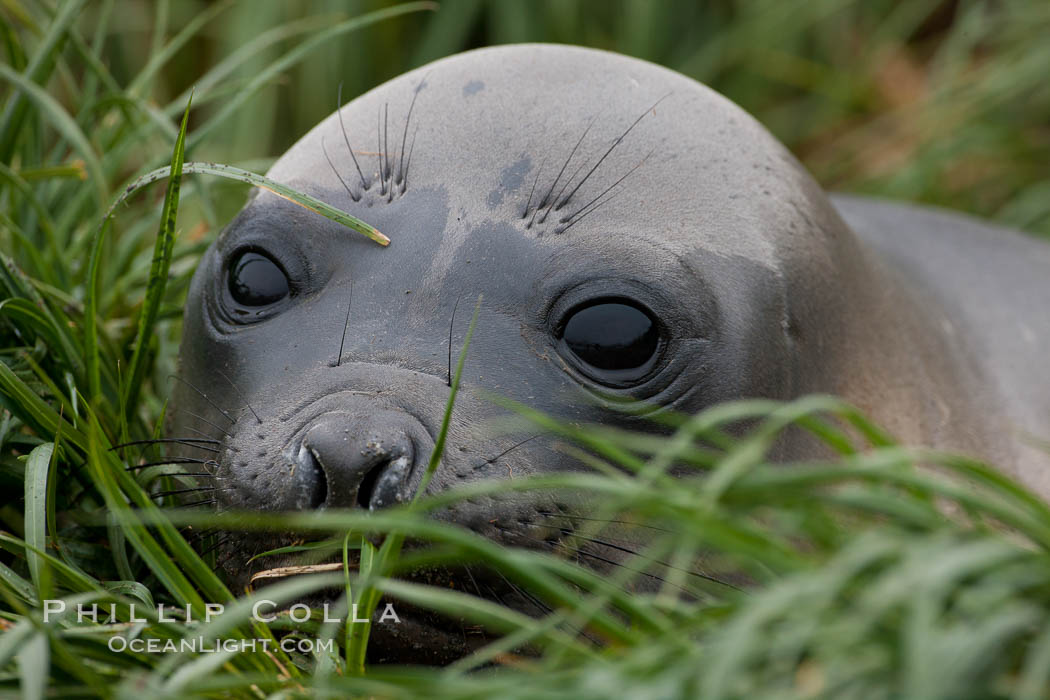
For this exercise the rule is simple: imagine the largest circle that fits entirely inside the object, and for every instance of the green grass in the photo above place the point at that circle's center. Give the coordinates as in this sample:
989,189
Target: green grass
868,576
925,100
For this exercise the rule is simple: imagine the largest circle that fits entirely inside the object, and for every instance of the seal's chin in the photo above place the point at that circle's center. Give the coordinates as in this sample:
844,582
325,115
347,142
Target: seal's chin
423,638
417,637
408,634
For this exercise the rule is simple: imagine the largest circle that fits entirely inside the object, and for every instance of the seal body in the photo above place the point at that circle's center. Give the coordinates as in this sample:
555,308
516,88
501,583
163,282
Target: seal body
634,235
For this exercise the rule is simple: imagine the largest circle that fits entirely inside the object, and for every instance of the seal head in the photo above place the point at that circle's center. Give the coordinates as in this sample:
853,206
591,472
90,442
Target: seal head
634,236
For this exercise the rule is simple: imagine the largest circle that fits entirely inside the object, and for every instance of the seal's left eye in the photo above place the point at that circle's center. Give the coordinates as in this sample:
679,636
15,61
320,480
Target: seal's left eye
256,280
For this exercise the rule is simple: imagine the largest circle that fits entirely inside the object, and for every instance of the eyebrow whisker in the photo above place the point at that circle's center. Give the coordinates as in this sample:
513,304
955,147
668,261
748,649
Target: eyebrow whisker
535,180
615,143
385,167
335,170
568,181
569,219
346,138
408,163
404,134
546,197
379,150
451,325
346,323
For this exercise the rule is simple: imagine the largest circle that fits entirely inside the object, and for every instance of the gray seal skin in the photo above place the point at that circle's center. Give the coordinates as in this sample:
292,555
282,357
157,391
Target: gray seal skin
550,178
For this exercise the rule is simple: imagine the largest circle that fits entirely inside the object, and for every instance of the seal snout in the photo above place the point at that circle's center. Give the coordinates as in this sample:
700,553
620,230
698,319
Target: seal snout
358,462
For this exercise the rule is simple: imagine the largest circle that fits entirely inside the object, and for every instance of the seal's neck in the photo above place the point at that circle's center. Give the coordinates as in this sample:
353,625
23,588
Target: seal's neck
895,358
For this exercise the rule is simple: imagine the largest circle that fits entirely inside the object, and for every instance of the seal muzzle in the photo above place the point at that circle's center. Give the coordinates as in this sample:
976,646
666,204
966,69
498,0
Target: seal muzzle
356,461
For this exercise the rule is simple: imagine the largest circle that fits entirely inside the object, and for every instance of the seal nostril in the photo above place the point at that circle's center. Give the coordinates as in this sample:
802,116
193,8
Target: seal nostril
368,484
318,484
392,484
385,484
320,490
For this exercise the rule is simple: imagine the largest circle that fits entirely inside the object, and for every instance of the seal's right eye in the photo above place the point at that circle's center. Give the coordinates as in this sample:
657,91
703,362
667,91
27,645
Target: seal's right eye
614,341
256,280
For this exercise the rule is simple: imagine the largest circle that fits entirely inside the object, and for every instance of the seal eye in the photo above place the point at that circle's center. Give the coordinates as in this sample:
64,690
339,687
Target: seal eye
256,280
612,338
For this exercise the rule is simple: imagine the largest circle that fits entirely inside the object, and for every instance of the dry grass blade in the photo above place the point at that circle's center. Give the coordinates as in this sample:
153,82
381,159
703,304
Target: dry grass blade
270,575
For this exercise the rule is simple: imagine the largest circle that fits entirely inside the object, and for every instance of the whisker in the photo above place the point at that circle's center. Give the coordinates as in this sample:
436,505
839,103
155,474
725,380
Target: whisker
574,533
632,552
508,450
335,170
564,228
203,420
346,323
172,460
197,503
493,595
616,143
174,492
451,324
200,534
532,191
525,594
339,111
408,163
546,197
612,562
568,218
544,608
386,147
204,396
199,432
568,181
189,442
470,574
404,134
216,544
379,150
240,395
601,520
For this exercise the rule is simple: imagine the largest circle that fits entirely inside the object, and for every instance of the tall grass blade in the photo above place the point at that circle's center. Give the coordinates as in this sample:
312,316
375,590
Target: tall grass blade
37,71
300,198
36,489
33,662
65,124
158,275
297,54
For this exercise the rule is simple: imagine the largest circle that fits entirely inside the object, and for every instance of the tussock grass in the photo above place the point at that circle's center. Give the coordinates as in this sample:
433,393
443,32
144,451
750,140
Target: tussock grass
838,578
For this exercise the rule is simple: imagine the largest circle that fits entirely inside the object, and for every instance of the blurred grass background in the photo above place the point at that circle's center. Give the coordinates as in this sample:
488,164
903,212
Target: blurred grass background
945,102
871,591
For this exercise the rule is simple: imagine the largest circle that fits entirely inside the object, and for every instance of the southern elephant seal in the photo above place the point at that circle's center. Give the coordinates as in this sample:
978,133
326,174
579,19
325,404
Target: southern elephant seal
634,235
